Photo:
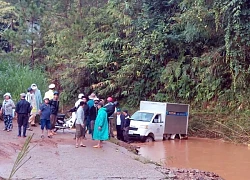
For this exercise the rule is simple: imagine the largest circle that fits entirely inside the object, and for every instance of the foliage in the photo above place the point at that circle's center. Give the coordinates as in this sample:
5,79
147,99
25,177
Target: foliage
15,79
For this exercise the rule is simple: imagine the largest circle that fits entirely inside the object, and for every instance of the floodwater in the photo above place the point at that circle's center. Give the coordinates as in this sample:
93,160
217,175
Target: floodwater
230,161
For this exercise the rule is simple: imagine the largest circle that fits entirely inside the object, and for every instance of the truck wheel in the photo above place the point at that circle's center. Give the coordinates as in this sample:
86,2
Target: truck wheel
149,139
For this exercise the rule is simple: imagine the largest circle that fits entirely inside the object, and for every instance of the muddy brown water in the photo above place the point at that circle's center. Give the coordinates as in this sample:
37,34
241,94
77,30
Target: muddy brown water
230,161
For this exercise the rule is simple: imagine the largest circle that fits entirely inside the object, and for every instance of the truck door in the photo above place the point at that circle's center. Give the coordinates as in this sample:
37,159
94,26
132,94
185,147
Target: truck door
157,126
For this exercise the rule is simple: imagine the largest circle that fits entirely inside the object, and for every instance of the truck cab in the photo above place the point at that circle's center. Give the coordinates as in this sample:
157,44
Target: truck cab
146,126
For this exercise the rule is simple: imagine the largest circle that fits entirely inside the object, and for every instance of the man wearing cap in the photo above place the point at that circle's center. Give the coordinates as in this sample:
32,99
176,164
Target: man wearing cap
7,111
50,93
119,119
23,109
125,126
80,96
38,99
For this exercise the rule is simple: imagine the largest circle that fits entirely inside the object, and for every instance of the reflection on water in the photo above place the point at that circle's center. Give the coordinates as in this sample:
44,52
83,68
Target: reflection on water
230,161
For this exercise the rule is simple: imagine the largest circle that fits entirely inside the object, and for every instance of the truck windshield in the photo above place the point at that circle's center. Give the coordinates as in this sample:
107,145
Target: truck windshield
142,116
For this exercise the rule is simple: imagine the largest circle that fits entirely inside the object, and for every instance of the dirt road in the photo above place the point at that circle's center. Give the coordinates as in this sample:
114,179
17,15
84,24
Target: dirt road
57,158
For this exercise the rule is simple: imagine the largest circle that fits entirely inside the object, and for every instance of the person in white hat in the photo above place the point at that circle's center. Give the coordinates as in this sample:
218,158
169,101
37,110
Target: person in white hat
50,93
39,101
7,111
79,100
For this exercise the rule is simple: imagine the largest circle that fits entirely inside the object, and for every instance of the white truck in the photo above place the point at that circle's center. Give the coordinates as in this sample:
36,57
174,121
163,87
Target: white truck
159,121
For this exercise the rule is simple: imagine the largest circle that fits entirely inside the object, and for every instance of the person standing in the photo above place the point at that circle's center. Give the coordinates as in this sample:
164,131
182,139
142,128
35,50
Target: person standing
91,100
93,114
126,126
44,113
30,97
86,114
110,108
80,131
90,104
119,119
54,106
101,130
23,109
39,101
77,103
50,93
7,111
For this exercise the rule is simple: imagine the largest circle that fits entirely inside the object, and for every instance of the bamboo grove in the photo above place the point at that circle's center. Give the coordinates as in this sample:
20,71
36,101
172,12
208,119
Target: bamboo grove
191,51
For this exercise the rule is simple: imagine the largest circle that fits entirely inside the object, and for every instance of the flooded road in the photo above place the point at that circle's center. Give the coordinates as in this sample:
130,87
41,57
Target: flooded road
230,161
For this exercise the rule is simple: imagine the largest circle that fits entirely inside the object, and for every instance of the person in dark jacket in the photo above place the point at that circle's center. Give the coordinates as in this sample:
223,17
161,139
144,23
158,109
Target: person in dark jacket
23,109
92,114
126,125
54,107
86,114
119,119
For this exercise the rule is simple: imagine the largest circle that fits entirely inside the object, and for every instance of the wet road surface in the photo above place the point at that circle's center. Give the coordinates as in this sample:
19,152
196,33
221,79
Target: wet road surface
57,158
230,161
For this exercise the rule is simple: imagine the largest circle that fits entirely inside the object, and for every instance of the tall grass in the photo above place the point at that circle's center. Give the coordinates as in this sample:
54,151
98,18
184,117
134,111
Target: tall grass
22,157
234,127
16,78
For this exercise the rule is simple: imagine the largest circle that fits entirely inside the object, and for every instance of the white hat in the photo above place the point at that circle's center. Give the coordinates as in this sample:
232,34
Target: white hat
45,98
22,94
92,96
96,99
7,94
52,86
33,86
80,96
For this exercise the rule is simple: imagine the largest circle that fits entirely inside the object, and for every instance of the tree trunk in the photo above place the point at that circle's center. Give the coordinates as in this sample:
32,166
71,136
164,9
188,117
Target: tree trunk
80,8
32,44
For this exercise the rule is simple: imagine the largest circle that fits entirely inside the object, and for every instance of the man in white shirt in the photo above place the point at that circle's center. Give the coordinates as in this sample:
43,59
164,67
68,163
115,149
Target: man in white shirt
50,93
119,121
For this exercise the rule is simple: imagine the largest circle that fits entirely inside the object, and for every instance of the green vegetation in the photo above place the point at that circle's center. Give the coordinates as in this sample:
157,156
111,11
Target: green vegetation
194,52
15,79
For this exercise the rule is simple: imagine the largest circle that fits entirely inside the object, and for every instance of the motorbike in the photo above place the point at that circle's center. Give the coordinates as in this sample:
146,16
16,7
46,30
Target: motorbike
62,123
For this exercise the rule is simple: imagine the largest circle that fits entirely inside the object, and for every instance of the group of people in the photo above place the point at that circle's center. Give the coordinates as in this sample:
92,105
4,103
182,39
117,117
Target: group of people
96,117
91,114
27,109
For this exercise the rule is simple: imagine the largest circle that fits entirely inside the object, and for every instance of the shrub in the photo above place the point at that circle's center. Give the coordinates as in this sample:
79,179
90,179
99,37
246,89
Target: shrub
16,78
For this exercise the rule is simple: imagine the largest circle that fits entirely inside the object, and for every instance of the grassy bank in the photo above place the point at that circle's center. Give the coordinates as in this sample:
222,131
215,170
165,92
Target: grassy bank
231,126
15,78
